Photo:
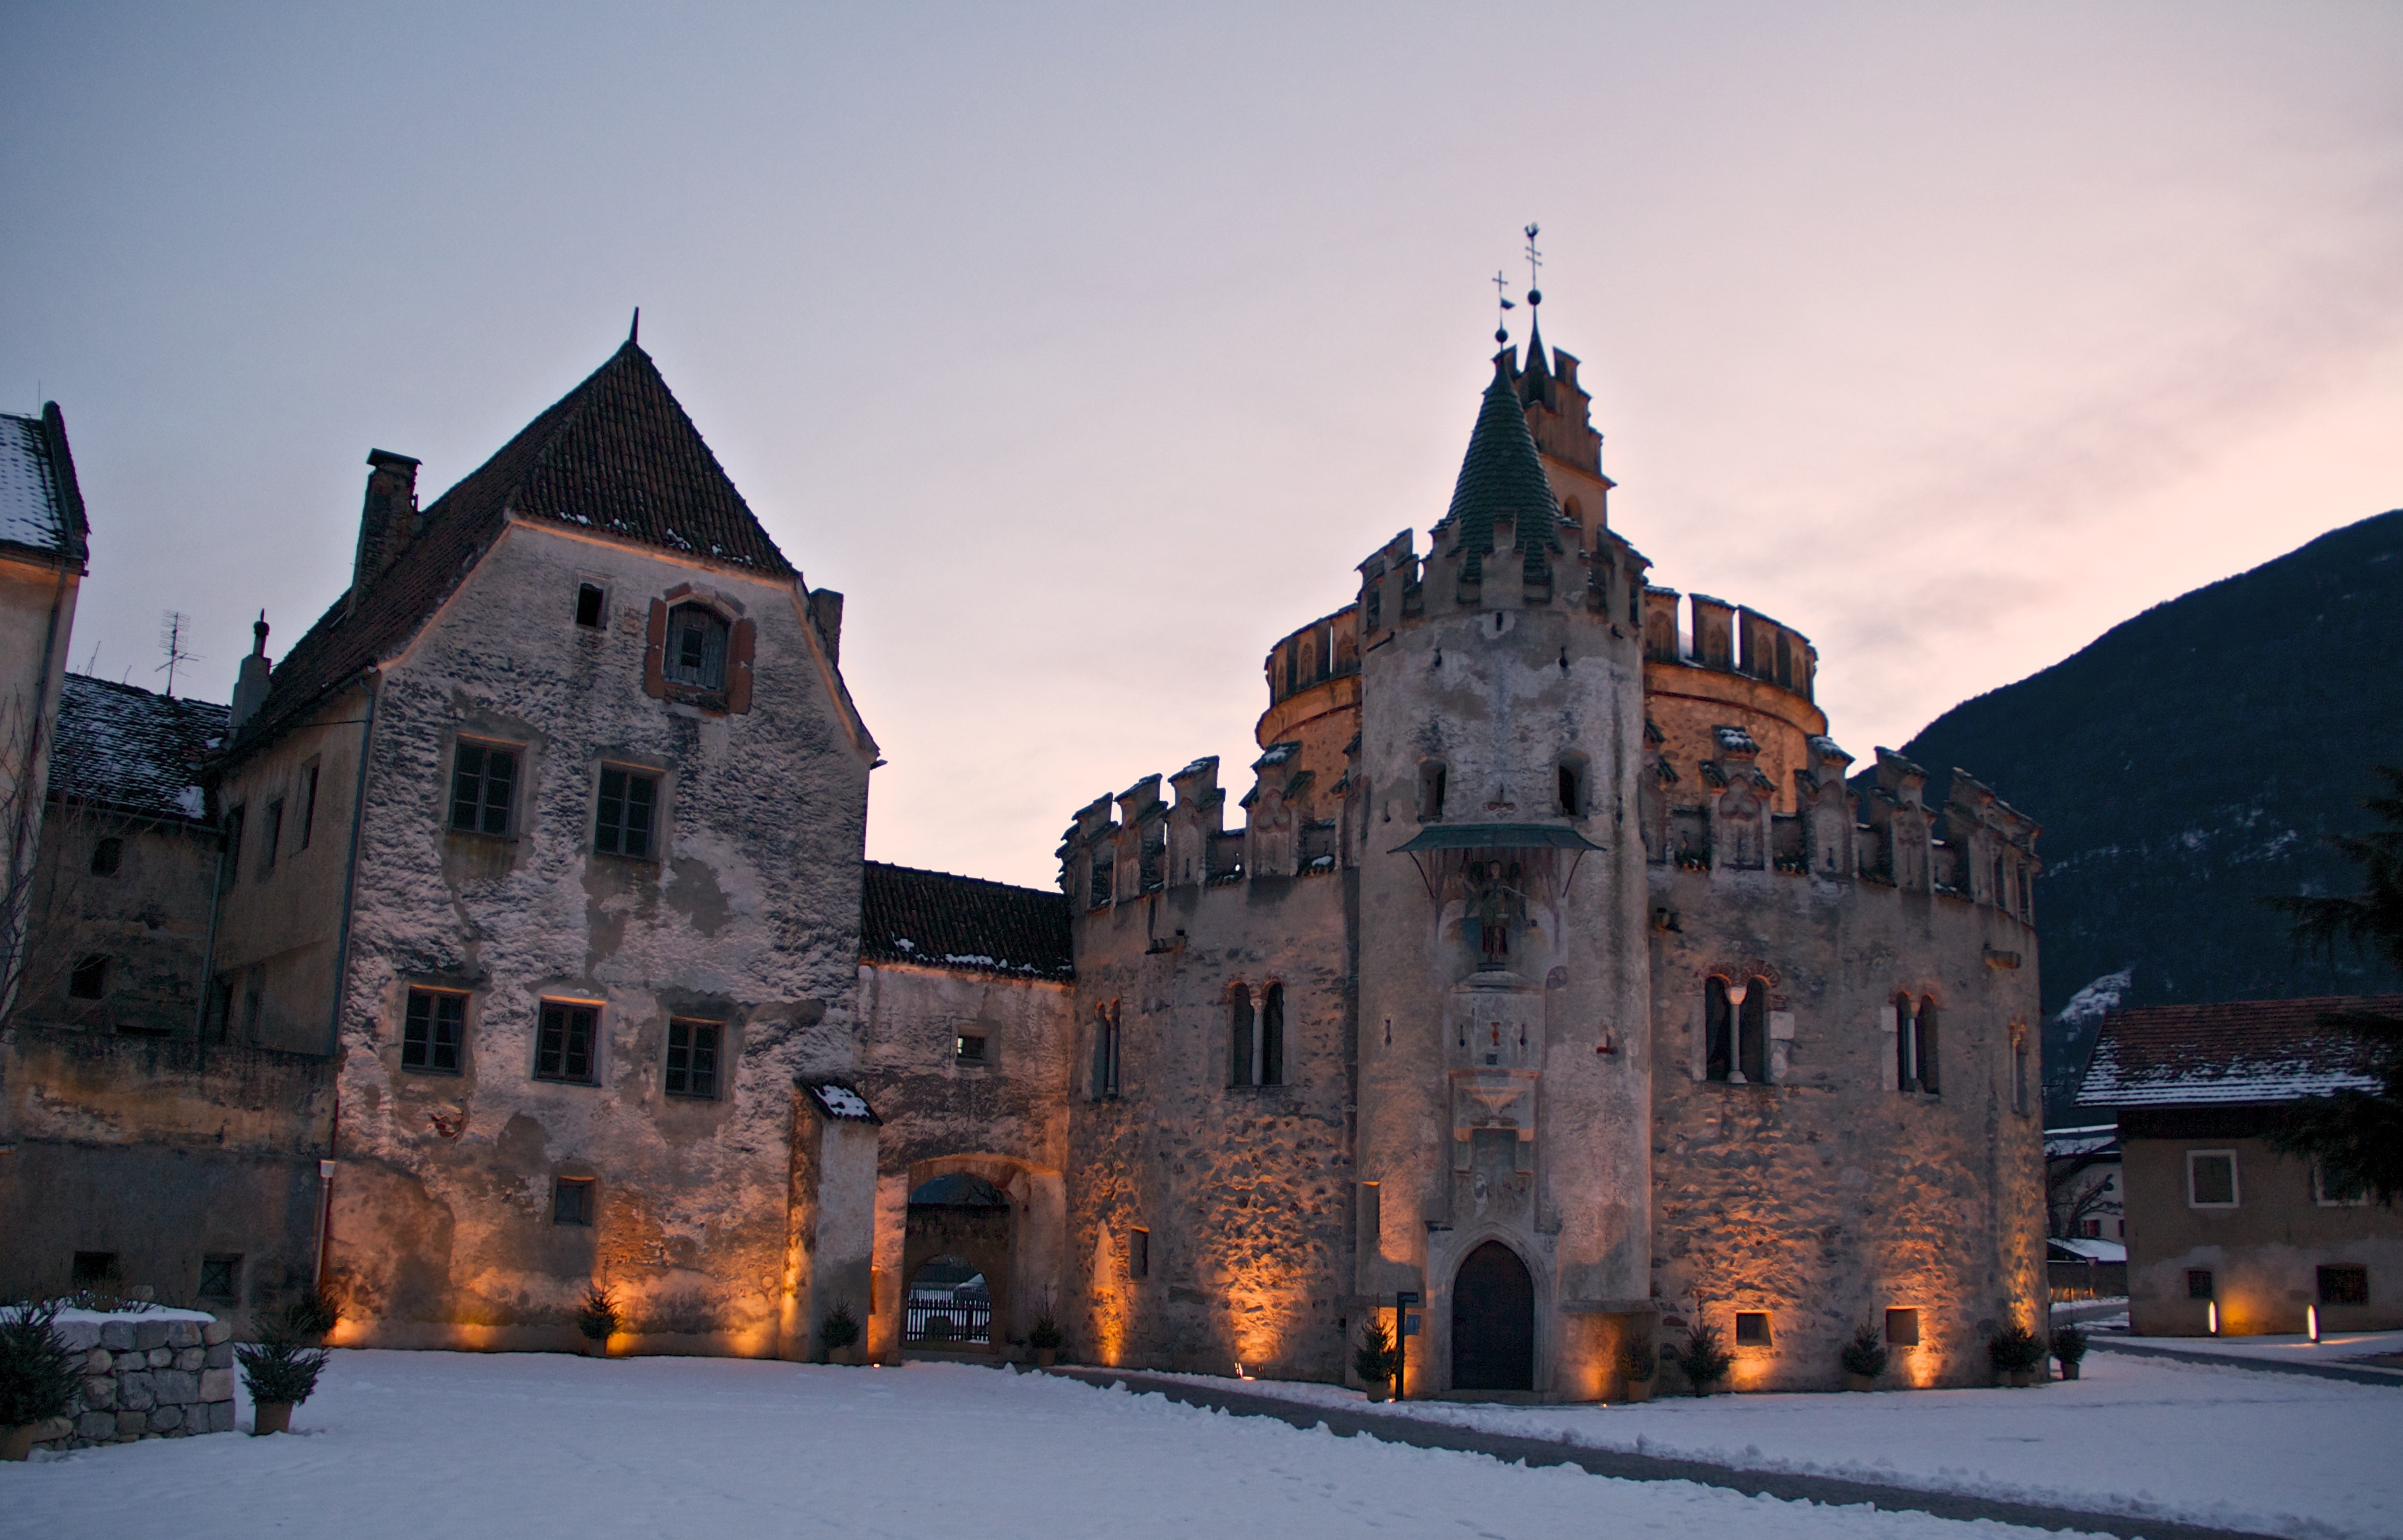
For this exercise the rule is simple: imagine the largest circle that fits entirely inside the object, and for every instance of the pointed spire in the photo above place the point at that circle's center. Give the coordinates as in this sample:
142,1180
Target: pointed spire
1502,476
635,332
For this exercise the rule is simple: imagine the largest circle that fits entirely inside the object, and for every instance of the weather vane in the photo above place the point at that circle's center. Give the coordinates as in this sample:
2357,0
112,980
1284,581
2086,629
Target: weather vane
1535,266
1501,319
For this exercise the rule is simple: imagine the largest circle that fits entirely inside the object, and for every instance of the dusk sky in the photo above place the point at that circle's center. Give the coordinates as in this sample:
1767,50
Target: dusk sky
1087,349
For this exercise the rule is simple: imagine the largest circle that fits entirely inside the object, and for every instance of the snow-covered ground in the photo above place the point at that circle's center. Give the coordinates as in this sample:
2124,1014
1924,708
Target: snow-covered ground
2333,1347
2232,1448
424,1445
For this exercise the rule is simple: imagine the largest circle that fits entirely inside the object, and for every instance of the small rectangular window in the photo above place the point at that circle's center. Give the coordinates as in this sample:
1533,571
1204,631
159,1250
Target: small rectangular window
628,801
93,1269
2330,1190
221,1277
572,1200
1902,1327
436,1025
483,783
564,1047
308,804
107,856
1138,1254
1752,1329
2210,1179
2344,1286
2198,1284
272,837
587,606
693,1059
970,1049
90,979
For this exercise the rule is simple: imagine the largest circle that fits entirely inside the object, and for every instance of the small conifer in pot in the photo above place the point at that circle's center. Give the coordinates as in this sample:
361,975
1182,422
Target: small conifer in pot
1045,1337
1638,1361
1706,1360
1865,1359
1374,1357
839,1330
280,1373
38,1377
597,1318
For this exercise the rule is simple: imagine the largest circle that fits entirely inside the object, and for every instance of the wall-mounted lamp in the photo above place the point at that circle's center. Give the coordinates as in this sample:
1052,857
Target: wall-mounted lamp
2312,1321
2214,1307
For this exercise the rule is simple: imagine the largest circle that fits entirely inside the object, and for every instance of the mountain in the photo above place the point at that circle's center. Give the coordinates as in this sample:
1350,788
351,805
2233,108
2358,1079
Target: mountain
2189,764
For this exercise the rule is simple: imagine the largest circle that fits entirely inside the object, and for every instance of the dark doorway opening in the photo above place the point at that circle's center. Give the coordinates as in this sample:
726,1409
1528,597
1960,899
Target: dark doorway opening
1493,1321
958,1255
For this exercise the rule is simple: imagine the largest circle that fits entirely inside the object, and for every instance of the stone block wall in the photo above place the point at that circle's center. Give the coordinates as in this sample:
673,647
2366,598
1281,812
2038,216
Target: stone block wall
145,1379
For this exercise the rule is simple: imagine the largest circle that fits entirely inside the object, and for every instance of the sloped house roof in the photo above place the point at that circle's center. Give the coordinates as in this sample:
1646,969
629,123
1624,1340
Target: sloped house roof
121,747
616,457
41,507
2232,1053
935,920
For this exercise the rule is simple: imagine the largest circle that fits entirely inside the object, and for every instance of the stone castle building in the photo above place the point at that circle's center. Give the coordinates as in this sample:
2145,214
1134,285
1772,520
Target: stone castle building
1556,970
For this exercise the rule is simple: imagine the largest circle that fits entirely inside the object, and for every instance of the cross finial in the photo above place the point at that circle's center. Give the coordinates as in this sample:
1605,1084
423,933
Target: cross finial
1535,266
1501,319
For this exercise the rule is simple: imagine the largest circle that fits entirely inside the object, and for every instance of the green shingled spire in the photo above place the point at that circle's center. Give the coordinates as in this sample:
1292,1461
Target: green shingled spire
1501,477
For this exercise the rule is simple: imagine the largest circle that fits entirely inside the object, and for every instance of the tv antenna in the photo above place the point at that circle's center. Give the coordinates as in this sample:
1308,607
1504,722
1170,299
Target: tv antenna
173,624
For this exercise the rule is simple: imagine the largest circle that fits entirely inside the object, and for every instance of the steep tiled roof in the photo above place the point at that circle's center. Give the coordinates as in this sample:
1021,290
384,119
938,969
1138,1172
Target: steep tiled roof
40,506
617,456
941,921
2235,1052
128,749
1501,477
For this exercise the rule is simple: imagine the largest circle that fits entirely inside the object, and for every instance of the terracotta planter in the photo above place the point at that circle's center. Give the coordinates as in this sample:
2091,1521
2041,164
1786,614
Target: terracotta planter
272,1417
1381,1392
17,1443
1639,1389
2018,1379
1046,1357
1859,1381
2069,1369
595,1347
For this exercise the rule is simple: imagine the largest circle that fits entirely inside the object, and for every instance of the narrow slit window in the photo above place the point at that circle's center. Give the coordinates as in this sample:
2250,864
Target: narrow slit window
272,837
1138,1254
431,1033
1752,1032
1271,1058
1718,1030
308,804
483,784
1238,1035
693,1059
589,597
1571,778
563,1049
235,820
1926,1046
628,800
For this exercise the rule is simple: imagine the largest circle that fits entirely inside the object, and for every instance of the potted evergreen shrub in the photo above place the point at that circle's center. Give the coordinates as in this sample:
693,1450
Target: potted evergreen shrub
308,1319
597,1318
2069,1346
38,1377
2017,1353
840,1332
1706,1362
279,1372
1374,1357
1638,1361
1046,1339
1864,1359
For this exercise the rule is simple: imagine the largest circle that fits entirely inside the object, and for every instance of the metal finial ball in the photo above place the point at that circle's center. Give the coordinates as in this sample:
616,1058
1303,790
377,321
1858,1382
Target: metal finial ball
1501,334
1534,297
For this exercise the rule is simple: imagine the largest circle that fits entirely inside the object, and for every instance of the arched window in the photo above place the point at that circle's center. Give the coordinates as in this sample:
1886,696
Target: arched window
1926,1045
1432,777
1240,1027
1572,787
1718,1030
696,650
1752,1032
1106,1051
1271,1056
1906,1045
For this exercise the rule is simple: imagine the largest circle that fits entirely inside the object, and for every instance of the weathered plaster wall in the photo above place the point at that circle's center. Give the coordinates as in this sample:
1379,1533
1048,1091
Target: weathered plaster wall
149,918
1688,703
1827,1196
37,601
747,916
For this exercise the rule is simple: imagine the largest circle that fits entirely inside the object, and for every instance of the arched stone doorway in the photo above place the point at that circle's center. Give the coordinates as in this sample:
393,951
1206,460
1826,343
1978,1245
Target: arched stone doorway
956,1264
1493,1321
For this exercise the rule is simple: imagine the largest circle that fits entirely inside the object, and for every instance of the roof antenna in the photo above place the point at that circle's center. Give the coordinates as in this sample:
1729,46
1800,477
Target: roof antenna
635,332
171,626
1501,317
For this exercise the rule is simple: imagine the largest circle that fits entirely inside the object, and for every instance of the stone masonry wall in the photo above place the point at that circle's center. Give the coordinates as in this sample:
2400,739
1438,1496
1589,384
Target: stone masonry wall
145,1379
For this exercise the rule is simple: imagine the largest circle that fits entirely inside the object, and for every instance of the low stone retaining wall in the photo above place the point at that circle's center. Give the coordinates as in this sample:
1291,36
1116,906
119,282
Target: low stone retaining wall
144,1379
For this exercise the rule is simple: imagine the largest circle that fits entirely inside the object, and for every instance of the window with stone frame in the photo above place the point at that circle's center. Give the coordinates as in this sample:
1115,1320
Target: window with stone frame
1718,1030
1752,1329
692,1058
483,786
567,1041
1902,1325
1752,1032
574,1200
434,1032
626,812
2210,1179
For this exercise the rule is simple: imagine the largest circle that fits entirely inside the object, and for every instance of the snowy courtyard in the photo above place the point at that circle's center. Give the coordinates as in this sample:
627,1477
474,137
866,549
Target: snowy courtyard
429,1444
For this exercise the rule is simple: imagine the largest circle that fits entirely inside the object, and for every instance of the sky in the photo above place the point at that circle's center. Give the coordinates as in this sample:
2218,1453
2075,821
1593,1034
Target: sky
1087,349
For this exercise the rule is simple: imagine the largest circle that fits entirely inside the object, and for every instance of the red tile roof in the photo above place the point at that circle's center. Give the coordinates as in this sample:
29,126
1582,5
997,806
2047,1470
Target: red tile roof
2232,1052
616,456
938,921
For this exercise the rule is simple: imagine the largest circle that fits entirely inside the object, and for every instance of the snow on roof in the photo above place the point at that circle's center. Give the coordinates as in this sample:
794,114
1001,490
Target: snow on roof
2233,1052
33,510
122,746
2091,1250
2085,1141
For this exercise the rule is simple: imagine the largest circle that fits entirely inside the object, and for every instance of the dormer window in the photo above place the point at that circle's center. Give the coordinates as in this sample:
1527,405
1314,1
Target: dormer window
695,653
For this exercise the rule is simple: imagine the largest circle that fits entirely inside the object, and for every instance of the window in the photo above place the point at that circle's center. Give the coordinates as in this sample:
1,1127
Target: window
308,804
693,1059
572,1200
1570,782
1240,1026
1926,1046
2344,1286
235,818
2019,1068
107,856
2198,1284
1906,1045
272,836
1139,1254
1752,1032
2091,1229
94,1270
90,979
221,1277
253,1001
433,1030
483,780
628,799
1752,1329
1106,1051
695,653
968,1049
1902,1327
2210,1179
1272,1060
2330,1190
1432,786
564,1046
1718,1030
589,597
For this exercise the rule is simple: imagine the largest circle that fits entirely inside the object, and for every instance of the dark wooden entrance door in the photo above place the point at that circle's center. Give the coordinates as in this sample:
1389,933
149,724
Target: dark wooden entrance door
1493,1321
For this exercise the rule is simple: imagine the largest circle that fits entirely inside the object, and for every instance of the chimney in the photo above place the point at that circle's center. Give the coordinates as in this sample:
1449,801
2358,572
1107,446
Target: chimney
388,521
825,608
250,685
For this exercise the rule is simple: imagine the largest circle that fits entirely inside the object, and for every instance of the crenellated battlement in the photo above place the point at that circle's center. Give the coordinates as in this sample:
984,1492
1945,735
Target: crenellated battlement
1727,638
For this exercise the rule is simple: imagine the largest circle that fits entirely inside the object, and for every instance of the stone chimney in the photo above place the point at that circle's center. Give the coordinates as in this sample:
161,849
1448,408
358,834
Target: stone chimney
250,685
826,609
388,521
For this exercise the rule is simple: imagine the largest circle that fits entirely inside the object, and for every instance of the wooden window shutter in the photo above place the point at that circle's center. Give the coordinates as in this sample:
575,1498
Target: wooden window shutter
738,666
655,649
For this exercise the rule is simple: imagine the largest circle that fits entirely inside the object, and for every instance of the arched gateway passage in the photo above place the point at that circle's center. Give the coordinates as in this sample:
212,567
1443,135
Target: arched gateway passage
1493,1321
957,1254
